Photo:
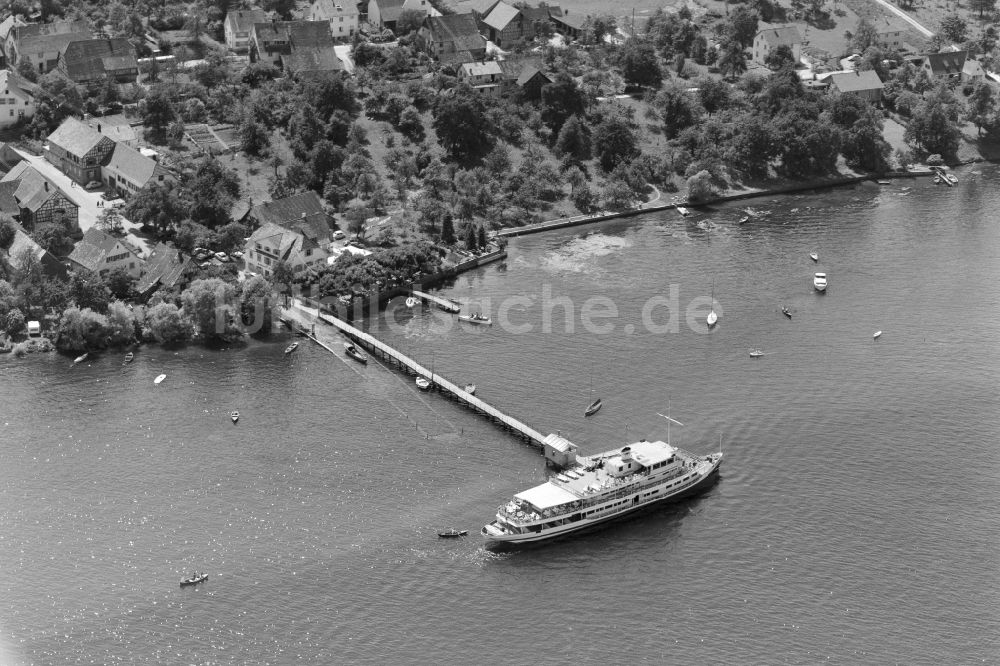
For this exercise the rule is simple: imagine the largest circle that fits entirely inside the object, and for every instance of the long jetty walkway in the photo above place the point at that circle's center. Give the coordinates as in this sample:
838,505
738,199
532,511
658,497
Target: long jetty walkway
443,303
384,352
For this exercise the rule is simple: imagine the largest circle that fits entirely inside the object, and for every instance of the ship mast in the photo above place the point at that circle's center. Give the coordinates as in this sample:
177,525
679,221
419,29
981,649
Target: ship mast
669,421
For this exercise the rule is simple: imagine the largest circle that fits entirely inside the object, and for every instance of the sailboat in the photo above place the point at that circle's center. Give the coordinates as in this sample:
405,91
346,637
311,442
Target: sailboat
594,405
712,317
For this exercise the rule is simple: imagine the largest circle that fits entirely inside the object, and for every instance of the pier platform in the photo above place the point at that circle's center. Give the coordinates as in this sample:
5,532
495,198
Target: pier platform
443,303
301,316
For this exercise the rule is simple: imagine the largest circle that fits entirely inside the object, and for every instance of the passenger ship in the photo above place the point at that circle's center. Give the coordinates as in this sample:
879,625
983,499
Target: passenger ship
595,489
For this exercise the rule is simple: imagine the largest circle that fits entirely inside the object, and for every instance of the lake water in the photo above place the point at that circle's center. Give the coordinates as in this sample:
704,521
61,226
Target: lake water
854,520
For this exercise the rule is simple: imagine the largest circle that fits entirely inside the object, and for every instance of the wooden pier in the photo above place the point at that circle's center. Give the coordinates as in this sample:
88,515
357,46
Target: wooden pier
379,349
443,303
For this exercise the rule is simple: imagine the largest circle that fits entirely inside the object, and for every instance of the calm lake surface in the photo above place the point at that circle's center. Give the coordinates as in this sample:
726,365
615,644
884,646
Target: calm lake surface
854,520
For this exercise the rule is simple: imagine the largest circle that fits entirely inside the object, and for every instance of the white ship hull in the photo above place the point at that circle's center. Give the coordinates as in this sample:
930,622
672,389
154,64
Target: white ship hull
632,503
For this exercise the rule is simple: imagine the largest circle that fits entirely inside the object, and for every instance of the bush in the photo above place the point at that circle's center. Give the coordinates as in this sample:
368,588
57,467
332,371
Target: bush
700,187
167,324
81,330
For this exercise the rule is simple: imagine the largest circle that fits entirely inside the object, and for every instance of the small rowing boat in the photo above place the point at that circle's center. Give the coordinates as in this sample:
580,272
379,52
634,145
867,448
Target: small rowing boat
234,415
452,533
785,311
470,389
423,383
290,348
355,353
814,256
877,335
129,356
819,282
159,379
80,359
744,219
194,579
594,407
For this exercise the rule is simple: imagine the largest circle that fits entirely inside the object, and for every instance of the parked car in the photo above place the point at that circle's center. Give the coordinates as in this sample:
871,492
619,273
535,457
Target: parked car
93,185
339,235
222,256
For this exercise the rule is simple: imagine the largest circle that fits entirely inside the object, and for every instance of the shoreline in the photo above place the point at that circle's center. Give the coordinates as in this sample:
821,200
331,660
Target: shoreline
562,223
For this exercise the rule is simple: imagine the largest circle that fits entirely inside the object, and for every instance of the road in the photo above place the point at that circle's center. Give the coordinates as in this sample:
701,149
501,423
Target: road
87,201
906,17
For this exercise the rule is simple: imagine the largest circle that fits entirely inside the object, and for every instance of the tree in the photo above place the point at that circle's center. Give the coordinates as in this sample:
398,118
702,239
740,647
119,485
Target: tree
158,113
864,146
640,65
109,221
865,36
481,238
447,229
256,307
7,233
283,276
953,28
81,330
982,6
411,124
167,324
981,106
574,140
121,324
676,109
175,134
733,61
614,142
254,137
283,8
560,100
87,290
120,283
158,205
700,187
461,125
471,238
210,304
27,70
780,57
742,26
409,20
931,130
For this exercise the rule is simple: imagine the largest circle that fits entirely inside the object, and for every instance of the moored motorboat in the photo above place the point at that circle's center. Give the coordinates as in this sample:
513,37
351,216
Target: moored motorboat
814,256
744,219
423,383
292,347
355,353
877,335
756,353
452,533
159,378
594,407
234,415
470,389
476,318
819,281
713,316
411,301
80,359
601,488
129,356
683,211
194,579
785,311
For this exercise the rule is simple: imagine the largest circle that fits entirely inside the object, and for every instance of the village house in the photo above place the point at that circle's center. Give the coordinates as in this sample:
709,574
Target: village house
890,32
453,33
102,253
486,78
866,85
18,101
972,71
38,201
296,43
167,270
128,171
92,60
524,76
478,8
769,39
506,24
41,44
570,26
23,249
116,127
342,16
6,26
79,150
295,230
237,27
944,66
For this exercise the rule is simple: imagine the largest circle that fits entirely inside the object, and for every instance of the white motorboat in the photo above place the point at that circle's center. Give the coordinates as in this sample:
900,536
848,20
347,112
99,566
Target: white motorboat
814,256
411,301
713,316
819,281
159,379
423,383
877,335
602,488
476,318
80,359
756,353
683,211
